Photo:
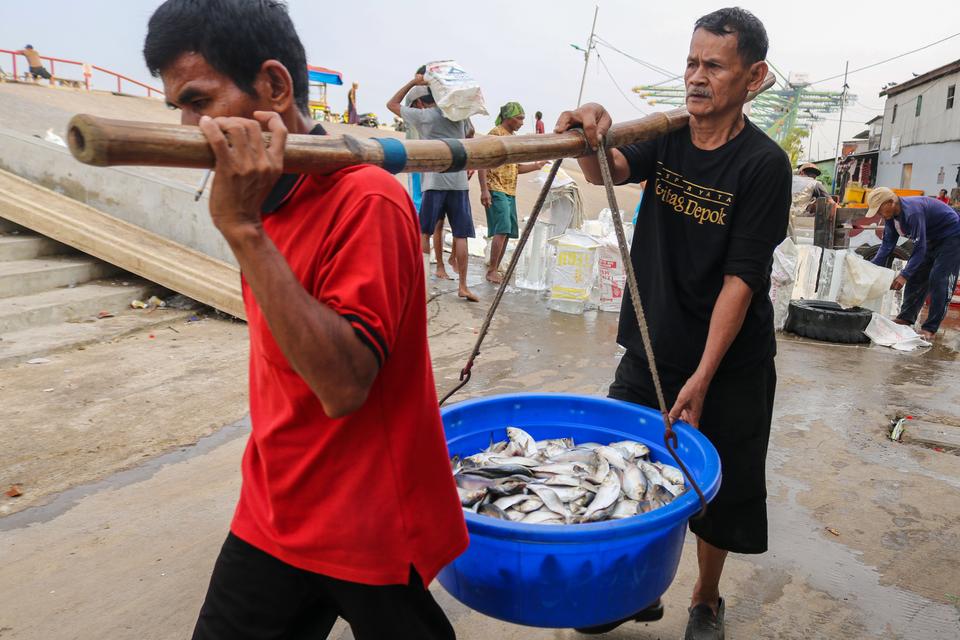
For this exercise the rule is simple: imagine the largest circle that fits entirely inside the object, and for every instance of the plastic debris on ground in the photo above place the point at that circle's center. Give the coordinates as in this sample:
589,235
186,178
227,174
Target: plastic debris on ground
138,304
15,491
104,314
896,433
885,332
39,361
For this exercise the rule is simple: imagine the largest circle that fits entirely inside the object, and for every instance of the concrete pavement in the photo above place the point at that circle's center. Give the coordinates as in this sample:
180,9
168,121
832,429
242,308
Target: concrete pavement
129,556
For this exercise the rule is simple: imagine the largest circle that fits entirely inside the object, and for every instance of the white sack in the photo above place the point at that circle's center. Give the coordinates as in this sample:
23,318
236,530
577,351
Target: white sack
887,333
457,94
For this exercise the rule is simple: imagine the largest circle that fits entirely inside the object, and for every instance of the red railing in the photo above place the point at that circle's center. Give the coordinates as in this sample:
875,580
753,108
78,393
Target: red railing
87,71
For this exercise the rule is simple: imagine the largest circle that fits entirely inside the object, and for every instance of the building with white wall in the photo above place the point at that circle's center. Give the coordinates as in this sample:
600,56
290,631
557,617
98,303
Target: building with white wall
920,136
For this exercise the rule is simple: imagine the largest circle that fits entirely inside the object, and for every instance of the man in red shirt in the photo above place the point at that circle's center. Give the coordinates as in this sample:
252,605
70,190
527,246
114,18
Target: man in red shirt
347,507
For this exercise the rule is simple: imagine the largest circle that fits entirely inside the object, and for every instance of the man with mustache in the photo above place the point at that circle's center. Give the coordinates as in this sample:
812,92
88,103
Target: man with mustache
704,241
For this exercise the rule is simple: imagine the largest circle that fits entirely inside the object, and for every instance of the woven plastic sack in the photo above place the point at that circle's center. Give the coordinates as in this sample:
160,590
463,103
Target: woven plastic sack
783,275
457,94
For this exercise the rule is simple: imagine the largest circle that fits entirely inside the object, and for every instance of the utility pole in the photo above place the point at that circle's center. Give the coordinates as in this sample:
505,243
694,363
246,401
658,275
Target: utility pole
843,102
586,54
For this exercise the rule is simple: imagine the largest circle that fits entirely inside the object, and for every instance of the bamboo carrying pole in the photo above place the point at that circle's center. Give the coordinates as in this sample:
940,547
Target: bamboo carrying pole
104,142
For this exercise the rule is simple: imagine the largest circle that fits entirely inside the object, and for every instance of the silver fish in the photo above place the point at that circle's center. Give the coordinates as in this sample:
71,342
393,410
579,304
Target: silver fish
563,481
634,482
600,514
493,511
542,516
651,472
583,456
602,470
614,457
514,460
673,475
625,509
469,497
565,469
550,499
532,503
524,440
508,501
555,481
499,471
569,494
608,494
637,450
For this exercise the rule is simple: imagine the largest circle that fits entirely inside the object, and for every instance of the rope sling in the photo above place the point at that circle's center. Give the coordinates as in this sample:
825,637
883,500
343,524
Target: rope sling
669,436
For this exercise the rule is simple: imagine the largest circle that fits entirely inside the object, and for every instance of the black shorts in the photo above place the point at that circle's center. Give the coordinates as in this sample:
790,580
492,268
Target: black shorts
254,596
736,418
40,72
454,204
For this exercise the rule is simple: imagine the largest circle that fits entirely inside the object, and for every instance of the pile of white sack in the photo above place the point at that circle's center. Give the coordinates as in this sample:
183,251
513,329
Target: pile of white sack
845,278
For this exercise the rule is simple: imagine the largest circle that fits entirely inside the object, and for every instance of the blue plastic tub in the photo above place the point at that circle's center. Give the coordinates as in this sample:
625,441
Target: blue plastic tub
579,575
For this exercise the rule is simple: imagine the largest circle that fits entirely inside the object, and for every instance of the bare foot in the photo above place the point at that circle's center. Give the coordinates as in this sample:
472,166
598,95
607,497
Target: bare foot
443,275
926,335
494,278
468,295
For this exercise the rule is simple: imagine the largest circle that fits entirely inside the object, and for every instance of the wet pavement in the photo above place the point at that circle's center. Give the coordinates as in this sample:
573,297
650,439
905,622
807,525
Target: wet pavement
864,532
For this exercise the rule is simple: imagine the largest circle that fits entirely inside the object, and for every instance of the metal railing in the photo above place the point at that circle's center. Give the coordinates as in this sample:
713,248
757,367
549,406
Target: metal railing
87,70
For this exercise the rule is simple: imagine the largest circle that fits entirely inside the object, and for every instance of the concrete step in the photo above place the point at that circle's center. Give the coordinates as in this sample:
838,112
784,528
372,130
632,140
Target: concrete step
78,304
23,277
27,246
35,342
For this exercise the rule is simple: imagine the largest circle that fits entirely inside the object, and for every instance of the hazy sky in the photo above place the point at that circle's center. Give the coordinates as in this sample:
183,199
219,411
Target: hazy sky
520,50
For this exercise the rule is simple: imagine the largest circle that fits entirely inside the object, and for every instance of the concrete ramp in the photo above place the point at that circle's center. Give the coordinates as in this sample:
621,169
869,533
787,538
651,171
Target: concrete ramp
172,265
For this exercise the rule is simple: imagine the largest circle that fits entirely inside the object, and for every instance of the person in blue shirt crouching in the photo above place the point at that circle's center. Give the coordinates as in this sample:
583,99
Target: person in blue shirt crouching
932,268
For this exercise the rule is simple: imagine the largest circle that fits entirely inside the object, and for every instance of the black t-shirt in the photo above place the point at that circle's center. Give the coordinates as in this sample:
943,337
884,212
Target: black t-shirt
705,214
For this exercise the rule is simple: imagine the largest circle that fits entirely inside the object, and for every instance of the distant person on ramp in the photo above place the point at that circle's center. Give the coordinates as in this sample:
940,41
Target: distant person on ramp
37,70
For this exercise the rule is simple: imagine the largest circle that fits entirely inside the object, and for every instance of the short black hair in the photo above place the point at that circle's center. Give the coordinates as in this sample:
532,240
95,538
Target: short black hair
234,36
427,98
539,115
751,35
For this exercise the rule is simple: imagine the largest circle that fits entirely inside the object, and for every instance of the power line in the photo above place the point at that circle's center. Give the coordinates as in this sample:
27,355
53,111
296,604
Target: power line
614,80
876,64
652,67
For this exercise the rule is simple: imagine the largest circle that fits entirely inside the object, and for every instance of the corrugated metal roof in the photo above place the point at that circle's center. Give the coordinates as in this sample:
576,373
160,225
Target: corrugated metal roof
923,78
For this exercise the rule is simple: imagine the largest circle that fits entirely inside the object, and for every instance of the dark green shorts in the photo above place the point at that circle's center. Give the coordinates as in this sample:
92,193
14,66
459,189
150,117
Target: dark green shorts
502,215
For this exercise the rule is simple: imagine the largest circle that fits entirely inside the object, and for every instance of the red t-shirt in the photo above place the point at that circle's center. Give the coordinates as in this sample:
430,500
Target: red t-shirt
540,128
364,497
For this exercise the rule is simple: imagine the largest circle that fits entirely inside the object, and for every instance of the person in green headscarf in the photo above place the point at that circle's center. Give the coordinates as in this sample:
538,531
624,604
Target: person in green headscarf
498,191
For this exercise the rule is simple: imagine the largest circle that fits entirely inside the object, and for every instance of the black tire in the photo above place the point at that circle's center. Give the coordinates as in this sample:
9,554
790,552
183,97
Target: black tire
828,321
900,251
